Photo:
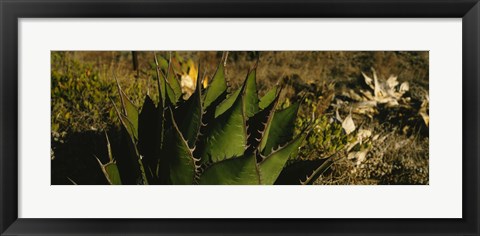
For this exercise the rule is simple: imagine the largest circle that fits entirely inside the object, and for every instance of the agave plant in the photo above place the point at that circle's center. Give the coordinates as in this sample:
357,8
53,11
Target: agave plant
213,137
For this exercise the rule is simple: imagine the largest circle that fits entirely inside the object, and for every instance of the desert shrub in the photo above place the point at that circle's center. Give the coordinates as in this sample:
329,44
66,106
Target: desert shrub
80,99
326,138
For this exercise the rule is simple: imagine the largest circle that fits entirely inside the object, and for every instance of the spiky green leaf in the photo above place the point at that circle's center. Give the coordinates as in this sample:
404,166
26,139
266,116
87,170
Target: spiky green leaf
110,171
174,90
130,112
299,171
227,103
191,119
163,63
268,98
113,175
251,96
217,87
234,171
280,131
272,165
182,164
128,158
227,134
161,78
127,124
258,125
317,172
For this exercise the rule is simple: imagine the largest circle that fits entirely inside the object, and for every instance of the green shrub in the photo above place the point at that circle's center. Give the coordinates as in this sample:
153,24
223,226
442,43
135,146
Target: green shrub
80,99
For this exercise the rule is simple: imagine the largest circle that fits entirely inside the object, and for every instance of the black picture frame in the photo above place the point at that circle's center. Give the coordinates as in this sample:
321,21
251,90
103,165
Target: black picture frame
12,10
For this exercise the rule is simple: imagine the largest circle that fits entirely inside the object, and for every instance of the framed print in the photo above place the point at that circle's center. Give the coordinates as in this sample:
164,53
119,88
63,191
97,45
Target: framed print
224,117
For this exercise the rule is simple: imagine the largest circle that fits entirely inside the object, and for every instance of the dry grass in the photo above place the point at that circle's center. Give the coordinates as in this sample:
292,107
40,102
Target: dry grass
395,159
310,67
